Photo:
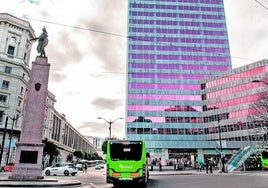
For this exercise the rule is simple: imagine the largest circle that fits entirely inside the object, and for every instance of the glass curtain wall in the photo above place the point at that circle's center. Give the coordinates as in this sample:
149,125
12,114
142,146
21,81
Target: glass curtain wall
172,44
238,96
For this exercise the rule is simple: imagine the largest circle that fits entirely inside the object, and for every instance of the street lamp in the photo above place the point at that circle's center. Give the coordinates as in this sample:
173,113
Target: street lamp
110,123
11,135
221,161
261,131
264,131
240,124
3,142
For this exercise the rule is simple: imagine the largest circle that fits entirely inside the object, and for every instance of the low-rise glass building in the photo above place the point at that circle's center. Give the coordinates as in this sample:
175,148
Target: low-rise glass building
230,106
227,119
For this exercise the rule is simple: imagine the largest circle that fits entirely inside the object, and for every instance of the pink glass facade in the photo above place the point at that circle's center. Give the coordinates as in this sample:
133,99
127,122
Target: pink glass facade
237,93
172,45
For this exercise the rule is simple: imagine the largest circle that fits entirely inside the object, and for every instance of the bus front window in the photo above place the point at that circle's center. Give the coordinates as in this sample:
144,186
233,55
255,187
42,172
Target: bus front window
265,154
120,151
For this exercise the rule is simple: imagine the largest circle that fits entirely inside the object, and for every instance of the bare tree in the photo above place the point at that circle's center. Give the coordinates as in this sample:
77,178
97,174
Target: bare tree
259,108
258,114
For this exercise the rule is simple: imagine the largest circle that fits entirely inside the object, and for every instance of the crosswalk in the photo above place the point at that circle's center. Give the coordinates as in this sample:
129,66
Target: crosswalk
92,172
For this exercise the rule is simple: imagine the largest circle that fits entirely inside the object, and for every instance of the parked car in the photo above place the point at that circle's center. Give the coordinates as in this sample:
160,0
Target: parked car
79,166
61,169
100,166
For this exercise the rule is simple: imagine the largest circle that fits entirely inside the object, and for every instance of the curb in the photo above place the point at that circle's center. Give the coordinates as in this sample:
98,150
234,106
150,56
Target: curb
167,174
4,182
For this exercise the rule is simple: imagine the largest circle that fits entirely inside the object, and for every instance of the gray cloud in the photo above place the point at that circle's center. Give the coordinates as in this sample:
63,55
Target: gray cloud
61,53
56,77
95,75
72,93
109,104
91,127
108,52
247,31
65,50
45,13
107,47
100,128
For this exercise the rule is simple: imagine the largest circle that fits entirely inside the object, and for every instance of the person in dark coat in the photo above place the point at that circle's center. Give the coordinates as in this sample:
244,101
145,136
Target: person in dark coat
160,164
211,166
206,165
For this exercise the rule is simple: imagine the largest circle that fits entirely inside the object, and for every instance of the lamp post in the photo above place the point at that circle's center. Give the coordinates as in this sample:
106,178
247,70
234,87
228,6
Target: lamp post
221,161
110,123
264,129
3,142
11,135
261,131
240,124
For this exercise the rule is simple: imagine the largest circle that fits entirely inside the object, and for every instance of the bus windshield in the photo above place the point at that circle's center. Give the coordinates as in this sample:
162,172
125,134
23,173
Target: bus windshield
126,150
265,154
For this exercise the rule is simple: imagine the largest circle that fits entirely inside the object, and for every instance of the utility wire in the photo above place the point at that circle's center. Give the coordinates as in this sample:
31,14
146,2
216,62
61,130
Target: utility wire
134,38
261,4
77,27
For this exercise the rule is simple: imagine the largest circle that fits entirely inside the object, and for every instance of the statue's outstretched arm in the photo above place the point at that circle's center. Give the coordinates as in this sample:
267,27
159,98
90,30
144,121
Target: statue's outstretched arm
34,39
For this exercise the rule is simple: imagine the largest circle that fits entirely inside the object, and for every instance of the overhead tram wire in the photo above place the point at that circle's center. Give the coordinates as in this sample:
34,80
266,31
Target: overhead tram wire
133,37
261,4
77,27
125,36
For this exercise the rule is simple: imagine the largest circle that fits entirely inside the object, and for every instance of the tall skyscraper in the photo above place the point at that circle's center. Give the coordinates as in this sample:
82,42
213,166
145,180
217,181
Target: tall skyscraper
172,45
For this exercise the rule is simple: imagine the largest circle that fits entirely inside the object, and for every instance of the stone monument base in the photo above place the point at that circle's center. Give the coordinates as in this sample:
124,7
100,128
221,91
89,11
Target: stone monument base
30,163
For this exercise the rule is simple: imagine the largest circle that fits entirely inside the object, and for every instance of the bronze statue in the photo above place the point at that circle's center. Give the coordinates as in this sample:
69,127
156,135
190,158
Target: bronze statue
42,42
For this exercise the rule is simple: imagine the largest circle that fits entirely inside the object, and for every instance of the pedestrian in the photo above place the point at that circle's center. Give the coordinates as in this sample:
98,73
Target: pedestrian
152,165
160,164
211,166
197,166
84,168
200,167
206,165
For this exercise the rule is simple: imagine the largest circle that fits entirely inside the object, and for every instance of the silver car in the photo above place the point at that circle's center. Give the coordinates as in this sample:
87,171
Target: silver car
61,169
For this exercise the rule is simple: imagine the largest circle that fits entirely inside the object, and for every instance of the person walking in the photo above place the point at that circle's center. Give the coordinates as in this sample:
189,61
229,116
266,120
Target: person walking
211,166
207,165
84,168
200,165
160,164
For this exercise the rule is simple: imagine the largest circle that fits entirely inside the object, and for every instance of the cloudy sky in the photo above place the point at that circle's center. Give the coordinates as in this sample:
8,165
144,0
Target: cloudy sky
87,52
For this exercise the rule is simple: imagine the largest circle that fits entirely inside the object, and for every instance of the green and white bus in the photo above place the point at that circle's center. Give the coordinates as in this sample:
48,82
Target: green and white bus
264,158
126,162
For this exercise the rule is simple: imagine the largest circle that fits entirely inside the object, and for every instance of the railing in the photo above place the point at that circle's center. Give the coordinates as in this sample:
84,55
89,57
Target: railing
240,157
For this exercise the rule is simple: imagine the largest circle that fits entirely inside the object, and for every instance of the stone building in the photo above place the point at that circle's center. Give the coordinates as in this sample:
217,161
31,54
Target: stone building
15,51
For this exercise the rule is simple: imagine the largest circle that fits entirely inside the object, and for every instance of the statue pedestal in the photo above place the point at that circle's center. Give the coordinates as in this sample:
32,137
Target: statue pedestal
29,151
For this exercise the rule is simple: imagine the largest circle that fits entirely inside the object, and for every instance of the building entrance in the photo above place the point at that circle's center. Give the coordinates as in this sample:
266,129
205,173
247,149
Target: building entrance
183,157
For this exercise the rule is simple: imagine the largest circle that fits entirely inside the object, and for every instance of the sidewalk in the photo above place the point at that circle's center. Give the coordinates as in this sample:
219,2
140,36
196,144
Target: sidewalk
169,170
46,182
166,170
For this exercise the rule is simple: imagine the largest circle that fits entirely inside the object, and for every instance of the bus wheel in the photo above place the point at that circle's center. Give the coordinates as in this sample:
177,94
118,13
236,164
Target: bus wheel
116,185
143,184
